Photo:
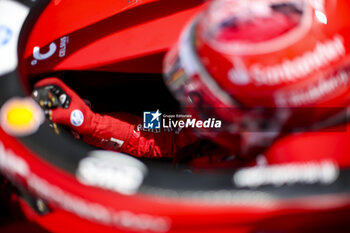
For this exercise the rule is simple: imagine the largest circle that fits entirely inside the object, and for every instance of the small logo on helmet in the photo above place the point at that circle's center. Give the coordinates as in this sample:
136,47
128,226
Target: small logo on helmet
239,77
239,74
77,118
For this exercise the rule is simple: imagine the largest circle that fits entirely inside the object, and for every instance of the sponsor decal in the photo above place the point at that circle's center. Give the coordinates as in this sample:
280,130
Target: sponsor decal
219,197
63,46
325,172
291,70
5,35
43,56
14,165
96,212
112,170
315,91
112,144
77,118
239,75
39,56
21,116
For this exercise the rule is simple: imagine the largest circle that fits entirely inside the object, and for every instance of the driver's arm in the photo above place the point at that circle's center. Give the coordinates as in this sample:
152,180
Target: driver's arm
114,131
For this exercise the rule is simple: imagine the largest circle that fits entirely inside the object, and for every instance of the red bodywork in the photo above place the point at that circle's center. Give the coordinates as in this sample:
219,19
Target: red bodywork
118,36
105,35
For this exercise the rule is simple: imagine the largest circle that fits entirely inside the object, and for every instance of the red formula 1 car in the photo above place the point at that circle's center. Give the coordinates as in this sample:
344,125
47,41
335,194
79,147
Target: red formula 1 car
111,53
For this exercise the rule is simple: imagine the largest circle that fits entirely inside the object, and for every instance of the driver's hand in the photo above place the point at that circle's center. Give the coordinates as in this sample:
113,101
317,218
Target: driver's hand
63,106
111,132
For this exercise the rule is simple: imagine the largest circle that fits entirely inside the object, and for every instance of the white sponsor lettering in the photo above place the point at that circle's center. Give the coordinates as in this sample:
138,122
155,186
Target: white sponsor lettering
314,92
325,172
96,212
112,170
299,67
219,197
63,46
13,165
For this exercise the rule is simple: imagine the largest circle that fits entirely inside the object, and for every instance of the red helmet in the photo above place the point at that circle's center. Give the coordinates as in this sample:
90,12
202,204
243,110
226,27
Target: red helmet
262,65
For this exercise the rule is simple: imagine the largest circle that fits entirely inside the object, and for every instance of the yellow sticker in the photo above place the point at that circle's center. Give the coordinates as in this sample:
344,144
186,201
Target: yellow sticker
21,116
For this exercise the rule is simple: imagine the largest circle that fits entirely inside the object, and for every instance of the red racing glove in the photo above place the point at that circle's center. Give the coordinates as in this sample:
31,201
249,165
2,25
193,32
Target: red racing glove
70,110
112,132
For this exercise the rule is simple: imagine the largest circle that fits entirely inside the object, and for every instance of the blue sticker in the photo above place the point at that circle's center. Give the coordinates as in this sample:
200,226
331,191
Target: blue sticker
151,120
5,35
77,118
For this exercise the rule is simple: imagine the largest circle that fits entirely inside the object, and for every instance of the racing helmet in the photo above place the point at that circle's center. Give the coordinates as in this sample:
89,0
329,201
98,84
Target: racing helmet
263,67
